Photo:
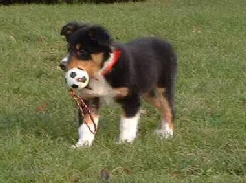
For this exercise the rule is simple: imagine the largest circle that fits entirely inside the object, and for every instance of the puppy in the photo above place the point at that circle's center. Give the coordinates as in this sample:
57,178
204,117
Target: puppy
141,69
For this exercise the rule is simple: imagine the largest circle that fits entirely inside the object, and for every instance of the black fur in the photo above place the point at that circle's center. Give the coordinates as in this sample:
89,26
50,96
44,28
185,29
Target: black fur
145,64
94,39
72,27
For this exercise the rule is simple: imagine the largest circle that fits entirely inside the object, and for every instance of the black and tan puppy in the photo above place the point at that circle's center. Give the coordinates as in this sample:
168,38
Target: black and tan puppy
143,68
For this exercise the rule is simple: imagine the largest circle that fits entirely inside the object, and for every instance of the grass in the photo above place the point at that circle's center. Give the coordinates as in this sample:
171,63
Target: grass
210,140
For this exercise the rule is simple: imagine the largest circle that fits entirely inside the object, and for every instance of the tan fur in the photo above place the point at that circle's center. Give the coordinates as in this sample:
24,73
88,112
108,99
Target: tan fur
161,103
122,92
98,58
88,119
90,66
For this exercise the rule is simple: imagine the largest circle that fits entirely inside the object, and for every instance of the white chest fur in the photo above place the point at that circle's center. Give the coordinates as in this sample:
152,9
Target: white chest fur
99,87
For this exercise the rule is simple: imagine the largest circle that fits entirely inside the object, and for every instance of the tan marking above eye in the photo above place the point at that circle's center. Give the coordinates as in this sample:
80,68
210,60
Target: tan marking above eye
70,27
91,33
78,46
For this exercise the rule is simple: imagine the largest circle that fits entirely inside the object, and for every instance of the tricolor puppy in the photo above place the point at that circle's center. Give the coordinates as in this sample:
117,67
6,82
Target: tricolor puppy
141,69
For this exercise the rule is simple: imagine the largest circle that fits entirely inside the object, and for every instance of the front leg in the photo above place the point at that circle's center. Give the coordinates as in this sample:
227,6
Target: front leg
86,137
111,92
130,118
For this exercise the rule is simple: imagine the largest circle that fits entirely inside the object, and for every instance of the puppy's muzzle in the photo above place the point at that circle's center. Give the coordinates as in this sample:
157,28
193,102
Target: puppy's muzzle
64,64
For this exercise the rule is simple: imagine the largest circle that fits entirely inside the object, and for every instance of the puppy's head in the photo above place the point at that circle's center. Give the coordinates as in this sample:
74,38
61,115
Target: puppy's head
89,47
66,31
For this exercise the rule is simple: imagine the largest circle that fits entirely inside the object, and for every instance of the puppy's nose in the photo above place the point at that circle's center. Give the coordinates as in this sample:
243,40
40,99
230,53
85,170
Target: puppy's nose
63,63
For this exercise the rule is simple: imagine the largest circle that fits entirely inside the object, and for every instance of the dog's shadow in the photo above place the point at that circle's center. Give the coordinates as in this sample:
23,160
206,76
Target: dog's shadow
62,125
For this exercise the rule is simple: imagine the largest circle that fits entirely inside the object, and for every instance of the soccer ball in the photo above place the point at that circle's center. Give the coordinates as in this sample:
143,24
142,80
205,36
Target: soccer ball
77,78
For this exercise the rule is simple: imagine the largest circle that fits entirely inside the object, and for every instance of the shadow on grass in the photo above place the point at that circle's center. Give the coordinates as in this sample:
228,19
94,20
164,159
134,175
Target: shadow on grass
55,124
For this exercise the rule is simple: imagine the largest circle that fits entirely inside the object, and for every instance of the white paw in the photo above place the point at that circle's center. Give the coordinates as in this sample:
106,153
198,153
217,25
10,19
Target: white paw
125,141
127,138
128,129
81,145
86,137
164,133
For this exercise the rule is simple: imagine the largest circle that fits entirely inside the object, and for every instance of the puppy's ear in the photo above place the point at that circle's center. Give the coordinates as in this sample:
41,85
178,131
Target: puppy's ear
100,35
71,27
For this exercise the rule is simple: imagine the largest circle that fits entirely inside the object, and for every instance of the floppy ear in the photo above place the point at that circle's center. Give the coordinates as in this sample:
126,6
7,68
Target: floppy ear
71,27
100,36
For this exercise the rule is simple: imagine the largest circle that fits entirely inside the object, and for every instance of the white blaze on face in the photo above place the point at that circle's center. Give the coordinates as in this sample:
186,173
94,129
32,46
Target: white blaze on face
65,59
63,63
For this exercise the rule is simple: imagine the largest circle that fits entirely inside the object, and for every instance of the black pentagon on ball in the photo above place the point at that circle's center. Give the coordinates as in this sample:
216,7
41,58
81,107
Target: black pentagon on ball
73,74
84,79
75,86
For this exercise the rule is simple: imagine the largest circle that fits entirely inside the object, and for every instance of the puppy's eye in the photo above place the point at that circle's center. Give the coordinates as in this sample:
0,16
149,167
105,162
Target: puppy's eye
82,51
84,55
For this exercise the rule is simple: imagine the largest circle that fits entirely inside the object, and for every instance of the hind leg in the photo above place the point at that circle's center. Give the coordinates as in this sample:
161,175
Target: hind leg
162,103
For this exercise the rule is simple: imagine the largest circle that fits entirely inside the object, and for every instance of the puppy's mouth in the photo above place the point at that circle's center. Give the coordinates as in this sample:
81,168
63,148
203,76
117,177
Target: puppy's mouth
88,87
92,82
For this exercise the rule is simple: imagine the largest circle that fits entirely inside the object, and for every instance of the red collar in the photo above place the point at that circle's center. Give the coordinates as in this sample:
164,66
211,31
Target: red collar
116,55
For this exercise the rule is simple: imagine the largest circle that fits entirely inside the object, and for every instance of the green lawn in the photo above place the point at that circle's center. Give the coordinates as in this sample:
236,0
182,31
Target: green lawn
210,136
